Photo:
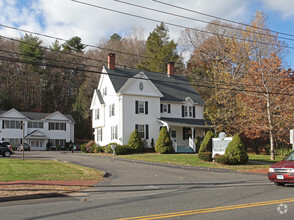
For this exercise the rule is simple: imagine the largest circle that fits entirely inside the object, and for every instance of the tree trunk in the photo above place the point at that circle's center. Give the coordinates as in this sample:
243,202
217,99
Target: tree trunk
271,135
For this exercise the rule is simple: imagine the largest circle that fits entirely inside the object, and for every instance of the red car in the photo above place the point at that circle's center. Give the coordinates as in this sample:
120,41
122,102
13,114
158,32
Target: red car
283,171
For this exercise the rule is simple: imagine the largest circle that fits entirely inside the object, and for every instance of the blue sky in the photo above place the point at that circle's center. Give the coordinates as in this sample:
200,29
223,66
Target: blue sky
65,18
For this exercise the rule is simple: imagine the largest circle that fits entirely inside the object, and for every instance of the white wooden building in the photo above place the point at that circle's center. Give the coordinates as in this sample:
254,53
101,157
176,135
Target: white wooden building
39,128
128,99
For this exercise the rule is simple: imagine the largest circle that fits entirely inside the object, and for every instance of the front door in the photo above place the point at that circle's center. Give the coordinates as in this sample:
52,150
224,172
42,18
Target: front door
37,144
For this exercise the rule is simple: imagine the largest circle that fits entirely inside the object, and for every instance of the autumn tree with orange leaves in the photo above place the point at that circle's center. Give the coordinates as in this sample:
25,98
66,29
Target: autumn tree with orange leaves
269,106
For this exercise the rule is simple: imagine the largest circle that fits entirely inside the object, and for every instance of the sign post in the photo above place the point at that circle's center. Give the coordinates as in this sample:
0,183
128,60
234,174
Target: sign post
292,138
113,149
23,125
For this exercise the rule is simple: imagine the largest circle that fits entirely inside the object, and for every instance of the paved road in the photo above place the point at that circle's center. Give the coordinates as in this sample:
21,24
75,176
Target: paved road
159,192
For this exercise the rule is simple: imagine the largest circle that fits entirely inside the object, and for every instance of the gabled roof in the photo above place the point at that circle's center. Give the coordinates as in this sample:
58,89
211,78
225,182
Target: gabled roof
174,89
38,115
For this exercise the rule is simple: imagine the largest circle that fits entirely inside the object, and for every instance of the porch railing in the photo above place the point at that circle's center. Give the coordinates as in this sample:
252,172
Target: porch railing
192,144
175,145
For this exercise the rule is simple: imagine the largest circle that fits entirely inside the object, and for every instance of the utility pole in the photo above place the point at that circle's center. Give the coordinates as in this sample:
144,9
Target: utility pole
23,124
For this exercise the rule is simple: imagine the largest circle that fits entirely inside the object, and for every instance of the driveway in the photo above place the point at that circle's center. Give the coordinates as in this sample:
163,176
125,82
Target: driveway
157,192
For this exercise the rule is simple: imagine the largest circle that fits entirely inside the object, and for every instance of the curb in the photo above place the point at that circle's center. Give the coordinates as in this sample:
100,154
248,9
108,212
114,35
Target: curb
171,165
33,196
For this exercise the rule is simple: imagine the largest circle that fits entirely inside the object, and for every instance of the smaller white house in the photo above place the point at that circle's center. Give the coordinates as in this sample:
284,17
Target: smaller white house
39,128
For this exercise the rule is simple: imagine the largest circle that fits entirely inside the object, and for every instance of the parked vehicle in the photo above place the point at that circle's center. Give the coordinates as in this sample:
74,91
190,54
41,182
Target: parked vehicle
8,145
282,172
5,151
26,147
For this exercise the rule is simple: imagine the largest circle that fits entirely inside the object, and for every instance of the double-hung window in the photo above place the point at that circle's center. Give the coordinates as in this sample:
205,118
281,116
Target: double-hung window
111,110
188,111
114,132
99,134
141,107
97,114
143,130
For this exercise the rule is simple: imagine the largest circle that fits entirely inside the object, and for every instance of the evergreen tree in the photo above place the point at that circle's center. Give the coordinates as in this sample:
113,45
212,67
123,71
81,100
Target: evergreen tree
115,37
164,144
74,44
235,151
135,141
160,50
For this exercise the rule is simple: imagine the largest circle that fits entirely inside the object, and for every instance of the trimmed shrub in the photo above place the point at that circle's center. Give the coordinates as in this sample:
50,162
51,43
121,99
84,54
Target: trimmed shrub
107,149
83,148
98,149
164,144
206,156
152,143
198,143
236,151
123,150
48,145
222,159
90,146
206,145
135,141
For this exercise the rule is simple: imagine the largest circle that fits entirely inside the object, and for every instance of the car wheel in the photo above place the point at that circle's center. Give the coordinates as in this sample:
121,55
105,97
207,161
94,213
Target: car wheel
279,184
7,154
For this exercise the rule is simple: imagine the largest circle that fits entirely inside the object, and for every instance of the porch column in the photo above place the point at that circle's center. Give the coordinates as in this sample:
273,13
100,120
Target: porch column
192,133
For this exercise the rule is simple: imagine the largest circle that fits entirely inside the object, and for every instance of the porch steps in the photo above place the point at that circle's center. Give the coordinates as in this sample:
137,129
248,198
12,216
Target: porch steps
185,149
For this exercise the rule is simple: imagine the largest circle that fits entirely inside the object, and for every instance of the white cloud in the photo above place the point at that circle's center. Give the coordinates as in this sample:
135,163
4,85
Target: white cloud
65,19
285,7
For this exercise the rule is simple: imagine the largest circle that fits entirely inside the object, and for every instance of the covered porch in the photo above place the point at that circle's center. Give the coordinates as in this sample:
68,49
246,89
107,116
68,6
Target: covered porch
37,140
183,132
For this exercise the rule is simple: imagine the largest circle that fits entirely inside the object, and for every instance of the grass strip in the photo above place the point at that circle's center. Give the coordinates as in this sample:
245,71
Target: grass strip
16,169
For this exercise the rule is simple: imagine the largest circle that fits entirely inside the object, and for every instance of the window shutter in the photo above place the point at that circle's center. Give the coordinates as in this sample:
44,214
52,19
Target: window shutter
183,112
147,132
3,124
146,108
136,127
109,110
65,126
168,108
49,126
184,133
194,115
161,108
137,107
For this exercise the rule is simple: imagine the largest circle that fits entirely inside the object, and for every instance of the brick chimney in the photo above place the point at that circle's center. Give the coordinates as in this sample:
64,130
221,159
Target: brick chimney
170,69
111,61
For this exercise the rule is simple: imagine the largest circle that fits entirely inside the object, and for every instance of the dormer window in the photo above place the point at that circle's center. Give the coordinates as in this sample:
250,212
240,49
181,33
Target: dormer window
188,111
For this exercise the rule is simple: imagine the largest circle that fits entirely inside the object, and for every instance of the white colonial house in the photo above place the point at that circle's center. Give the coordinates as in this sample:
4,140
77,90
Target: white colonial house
129,99
39,128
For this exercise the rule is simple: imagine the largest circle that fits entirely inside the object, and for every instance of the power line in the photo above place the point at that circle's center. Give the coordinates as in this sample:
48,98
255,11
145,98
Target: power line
134,77
223,19
179,26
199,20
87,58
87,45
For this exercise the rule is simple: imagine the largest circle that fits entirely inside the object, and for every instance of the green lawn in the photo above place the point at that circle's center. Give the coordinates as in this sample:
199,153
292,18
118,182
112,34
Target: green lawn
193,160
15,169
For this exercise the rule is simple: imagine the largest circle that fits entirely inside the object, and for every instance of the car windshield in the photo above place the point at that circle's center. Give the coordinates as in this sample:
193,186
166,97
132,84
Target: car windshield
289,157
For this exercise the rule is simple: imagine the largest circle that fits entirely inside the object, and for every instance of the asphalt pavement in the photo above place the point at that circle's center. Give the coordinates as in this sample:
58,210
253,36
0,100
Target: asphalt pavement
139,190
